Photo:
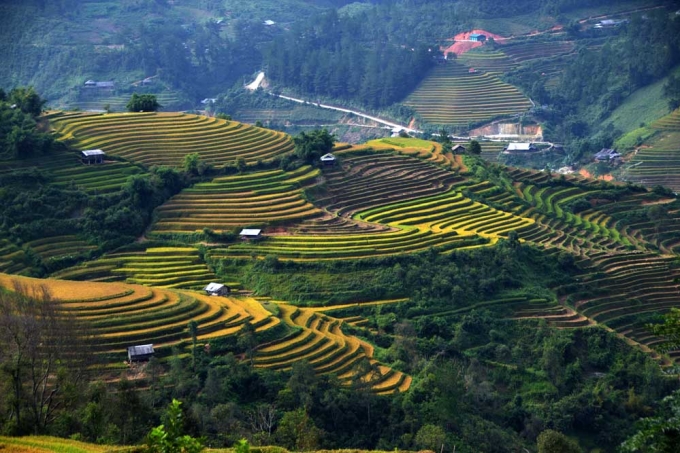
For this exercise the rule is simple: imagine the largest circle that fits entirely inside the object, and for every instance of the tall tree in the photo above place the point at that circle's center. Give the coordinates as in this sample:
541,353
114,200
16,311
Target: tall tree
41,354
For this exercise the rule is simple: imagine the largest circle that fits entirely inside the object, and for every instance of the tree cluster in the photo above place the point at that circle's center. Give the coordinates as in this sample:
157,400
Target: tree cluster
309,147
19,134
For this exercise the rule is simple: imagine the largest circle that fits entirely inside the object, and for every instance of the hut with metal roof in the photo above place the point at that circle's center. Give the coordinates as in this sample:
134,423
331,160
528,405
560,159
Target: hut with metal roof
140,352
216,289
92,156
251,234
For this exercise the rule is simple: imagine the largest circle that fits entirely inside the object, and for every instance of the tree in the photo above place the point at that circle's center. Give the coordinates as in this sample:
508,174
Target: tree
297,431
430,437
311,146
192,163
669,330
658,434
27,100
247,340
143,103
193,331
671,91
41,355
169,437
550,441
475,148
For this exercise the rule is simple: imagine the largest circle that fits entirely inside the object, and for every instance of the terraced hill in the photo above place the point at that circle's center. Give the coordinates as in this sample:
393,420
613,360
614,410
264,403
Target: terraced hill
229,202
169,100
65,170
493,62
119,315
162,267
536,49
165,138
657,161
453,95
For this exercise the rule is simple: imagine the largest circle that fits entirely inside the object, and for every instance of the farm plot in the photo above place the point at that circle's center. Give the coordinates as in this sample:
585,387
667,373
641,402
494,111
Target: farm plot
633,289
119,315
319,339
13,259
56,247
65,170
657,162
169,100
165,138
356,246
163,267
535,49
452,95
373,180
495,62
225,203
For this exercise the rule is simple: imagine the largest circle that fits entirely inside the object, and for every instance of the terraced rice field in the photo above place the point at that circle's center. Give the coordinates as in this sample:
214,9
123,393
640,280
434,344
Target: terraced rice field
657,162
494,62
12,258
165,138
56,247
162,267
535,49
633,289
119,315
169,100
319,339
452,95
230,202
65,170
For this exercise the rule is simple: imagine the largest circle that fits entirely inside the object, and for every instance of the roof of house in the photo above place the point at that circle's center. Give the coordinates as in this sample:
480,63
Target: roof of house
105,84
250,232
213,287
520,146
477,35
93,152
269,22
327,157
457,147
140,350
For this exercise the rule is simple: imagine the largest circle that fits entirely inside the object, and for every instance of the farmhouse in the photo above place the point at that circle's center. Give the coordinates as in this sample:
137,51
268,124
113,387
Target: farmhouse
328,159
458,149
519,147
139,353
477,37
607,154
250,234
92,156
217,289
